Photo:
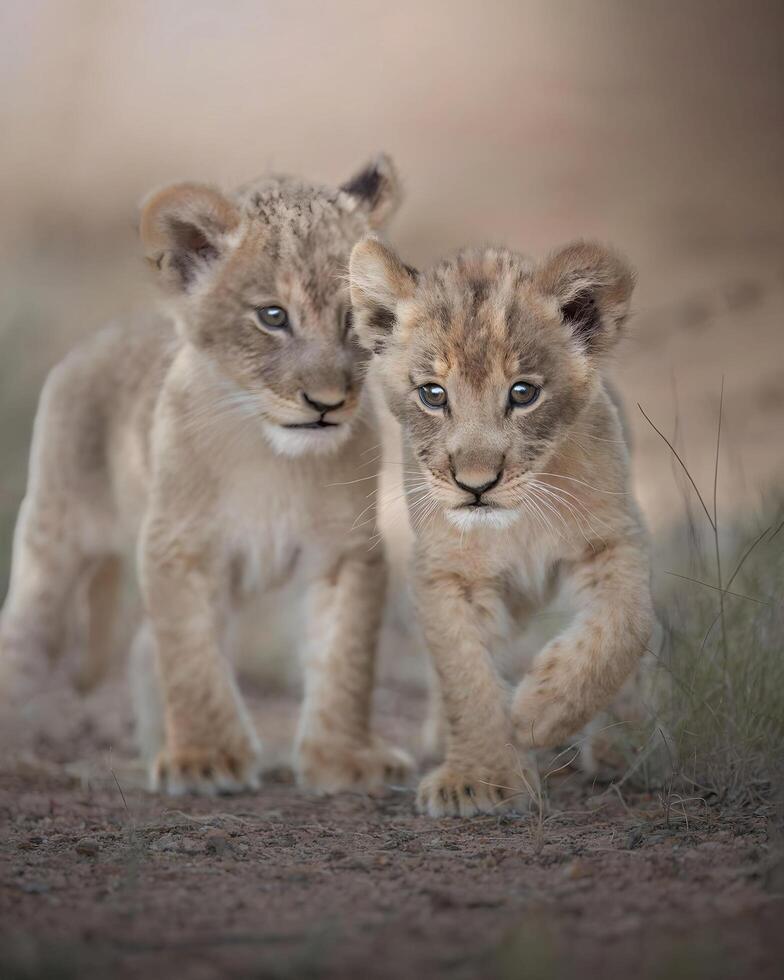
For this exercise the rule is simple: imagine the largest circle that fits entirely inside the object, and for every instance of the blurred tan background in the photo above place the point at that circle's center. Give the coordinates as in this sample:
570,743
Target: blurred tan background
654,125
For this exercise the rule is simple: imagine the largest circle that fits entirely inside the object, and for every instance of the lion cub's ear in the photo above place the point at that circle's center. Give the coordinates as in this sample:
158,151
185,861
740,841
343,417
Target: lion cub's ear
593,286
375,189
378,281
184,228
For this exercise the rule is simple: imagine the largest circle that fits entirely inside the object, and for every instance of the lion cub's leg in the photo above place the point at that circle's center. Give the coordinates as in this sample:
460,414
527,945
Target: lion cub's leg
148,708
210,743
579,672
65,525
146,694
47,562
482,772
335,749
434,730
103,589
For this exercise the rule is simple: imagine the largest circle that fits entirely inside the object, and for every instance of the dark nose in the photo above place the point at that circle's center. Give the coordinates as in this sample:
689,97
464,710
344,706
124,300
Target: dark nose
322,407
477,491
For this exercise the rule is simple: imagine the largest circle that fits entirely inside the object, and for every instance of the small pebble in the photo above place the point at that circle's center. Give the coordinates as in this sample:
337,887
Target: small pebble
166,842
33,887
174,843
88,846
634,838
217,842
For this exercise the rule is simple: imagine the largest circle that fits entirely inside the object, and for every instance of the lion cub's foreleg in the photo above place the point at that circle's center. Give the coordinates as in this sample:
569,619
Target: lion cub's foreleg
210,743
482,771
580,671
335,749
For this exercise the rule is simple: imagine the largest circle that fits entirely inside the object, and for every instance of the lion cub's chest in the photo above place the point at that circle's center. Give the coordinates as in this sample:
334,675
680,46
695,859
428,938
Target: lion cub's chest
277,527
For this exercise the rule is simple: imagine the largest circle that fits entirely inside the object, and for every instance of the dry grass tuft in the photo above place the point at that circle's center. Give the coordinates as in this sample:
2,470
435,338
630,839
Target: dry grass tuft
722,707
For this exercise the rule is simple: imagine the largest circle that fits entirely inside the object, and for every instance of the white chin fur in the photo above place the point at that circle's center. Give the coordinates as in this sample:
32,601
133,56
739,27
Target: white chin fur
477,518
306,442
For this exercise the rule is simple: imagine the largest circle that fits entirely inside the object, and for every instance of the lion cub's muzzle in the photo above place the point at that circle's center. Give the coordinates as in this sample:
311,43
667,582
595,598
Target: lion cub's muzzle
326,409
476,478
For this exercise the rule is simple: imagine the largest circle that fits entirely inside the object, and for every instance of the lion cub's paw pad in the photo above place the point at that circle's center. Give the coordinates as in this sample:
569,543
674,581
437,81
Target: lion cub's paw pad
452,792
208,773
325,768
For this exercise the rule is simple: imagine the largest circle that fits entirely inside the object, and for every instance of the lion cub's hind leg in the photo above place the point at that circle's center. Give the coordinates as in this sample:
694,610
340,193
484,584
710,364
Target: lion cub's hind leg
336,749
146,694
58,533
46,565
96,636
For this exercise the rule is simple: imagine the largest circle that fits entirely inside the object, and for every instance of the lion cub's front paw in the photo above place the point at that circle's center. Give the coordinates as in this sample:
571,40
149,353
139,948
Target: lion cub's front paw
331,767
539,717
205,771
454,791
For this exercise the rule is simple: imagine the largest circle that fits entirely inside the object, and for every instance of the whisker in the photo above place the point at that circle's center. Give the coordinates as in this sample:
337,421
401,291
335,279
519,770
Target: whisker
561,476
575,514
569,499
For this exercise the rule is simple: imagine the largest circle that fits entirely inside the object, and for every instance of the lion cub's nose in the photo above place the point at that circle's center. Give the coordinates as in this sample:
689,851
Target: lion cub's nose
476,482
325,401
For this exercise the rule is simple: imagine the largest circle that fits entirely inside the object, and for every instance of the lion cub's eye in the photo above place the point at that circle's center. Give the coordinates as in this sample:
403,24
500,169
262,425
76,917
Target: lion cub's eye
523,393
272,317
434,396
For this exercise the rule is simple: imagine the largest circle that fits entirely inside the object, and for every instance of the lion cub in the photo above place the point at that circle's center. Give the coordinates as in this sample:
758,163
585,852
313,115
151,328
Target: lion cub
493,366
228,437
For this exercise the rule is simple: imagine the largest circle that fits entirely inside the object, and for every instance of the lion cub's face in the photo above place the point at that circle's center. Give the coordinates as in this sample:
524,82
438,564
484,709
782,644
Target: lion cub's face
488,360
259,278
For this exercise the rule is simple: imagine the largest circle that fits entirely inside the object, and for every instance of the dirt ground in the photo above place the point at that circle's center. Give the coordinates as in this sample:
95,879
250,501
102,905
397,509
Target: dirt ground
98,878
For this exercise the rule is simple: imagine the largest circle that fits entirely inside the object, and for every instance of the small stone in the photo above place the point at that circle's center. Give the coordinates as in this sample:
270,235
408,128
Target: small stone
88,846
217,842
33,887
166,842
189,845
634,838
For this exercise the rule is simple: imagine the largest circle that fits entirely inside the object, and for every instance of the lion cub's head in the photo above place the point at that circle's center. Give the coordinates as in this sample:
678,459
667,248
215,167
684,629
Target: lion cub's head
487,360
258,279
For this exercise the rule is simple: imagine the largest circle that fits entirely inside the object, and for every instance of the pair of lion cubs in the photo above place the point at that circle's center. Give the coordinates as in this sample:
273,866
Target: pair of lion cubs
227,438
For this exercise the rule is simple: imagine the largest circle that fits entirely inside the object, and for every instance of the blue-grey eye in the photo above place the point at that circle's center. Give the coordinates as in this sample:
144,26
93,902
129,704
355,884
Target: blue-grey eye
523,393
432,395
272,317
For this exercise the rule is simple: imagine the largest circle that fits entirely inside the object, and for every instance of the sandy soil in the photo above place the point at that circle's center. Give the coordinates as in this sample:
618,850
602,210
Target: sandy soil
98,878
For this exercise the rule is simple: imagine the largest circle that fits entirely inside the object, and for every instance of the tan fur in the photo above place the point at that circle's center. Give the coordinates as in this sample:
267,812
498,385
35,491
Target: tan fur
175,431
559,513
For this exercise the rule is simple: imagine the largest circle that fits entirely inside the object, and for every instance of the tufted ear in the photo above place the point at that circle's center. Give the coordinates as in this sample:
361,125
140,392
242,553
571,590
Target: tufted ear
378,281
376,190
184,229
593,286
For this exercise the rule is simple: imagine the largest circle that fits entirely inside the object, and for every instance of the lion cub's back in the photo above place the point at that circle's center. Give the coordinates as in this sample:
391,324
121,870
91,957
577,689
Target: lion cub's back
95,417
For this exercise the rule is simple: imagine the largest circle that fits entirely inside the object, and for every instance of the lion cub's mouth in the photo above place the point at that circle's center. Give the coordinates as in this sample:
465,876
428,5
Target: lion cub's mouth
319,424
